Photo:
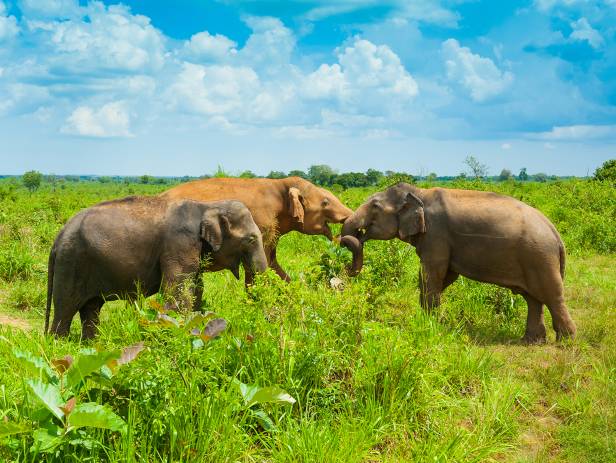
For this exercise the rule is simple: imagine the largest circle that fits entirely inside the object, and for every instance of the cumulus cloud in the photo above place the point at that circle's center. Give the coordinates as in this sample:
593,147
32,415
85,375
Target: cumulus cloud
110,120
214,90
577,132
8,24
478,75
204,46
102,39
583,31
49,8
366,75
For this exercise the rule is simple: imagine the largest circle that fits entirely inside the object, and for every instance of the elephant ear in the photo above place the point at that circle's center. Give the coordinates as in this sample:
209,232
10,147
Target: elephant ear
411,220
296,209
211,230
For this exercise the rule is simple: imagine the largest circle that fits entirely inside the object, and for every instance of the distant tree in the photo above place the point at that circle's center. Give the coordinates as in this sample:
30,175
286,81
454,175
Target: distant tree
431,177
104,179
321,174
374,176
462,176
607,172
351,180
523,176
71,178
276,174
298,173
145,179
478,170
504,175
32,180
160,181
540,177
248,174
391,178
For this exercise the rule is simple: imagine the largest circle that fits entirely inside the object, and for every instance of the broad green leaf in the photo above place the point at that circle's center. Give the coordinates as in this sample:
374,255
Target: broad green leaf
35,365
197,319
47,438
87,364
167,321
264,420
271,394
94,415
8,429
247,391
197,344
49,395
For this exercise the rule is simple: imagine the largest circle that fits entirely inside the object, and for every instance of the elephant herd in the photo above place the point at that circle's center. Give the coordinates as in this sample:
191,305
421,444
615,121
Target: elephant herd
117,248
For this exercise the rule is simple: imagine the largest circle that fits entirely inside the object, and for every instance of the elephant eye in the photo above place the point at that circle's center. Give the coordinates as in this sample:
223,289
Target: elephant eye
325,202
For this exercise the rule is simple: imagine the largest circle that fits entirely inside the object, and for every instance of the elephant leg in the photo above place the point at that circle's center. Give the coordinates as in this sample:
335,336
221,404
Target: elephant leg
276,266
174,278
64,311
535,327
561,320
89,314
450,278
431,284
198,292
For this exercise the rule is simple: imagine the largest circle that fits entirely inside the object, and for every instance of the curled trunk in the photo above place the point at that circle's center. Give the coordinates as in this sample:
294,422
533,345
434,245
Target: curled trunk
357,249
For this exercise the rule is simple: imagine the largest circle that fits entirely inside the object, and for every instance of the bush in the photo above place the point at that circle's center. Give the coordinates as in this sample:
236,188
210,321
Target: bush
607,172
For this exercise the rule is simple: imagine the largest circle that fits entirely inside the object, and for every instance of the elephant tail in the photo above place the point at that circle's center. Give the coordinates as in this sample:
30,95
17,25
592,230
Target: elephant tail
50,268
561,251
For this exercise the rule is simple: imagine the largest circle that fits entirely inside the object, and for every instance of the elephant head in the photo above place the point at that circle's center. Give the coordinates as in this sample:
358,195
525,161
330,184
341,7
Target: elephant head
231,237
312,208
397,212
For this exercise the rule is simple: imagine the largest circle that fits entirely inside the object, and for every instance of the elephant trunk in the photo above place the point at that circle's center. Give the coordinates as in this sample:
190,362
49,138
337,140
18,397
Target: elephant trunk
255,262
352,240
357,248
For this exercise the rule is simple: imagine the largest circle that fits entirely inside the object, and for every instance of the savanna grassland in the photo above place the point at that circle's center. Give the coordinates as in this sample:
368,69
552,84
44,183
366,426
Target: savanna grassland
309,373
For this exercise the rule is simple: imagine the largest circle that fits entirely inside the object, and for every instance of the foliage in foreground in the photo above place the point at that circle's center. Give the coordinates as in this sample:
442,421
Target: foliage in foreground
310,372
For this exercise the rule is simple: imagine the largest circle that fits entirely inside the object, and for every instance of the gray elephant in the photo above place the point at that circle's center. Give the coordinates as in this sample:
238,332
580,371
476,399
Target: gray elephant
116,248
483,236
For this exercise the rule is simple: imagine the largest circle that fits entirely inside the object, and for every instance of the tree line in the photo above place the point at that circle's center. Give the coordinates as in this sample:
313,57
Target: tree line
323,175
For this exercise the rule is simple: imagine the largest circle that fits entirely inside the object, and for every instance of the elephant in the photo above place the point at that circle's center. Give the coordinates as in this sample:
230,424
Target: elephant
278,206
115,249
483,236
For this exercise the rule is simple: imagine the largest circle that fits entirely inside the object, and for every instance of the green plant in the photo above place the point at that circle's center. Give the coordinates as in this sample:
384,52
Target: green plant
53,412
607,171
32,180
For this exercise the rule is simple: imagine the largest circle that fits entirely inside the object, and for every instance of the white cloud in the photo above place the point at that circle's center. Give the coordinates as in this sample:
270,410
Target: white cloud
269,47
204,46
366,76
109,39
582,30
577,132
8,24
506,146
111,120
49,8
478,75
215,89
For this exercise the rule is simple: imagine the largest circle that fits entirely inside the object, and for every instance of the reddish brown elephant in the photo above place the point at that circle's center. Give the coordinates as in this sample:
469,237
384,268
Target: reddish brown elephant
278,206
483,236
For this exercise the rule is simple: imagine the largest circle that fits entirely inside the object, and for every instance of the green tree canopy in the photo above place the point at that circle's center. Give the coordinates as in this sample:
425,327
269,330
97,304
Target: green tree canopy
32,180
607,171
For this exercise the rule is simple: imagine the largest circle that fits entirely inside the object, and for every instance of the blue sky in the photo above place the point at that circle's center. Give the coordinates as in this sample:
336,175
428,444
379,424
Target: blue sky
178,88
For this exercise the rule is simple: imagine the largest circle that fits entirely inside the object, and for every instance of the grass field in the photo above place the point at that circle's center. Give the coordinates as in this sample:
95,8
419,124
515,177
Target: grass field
374,377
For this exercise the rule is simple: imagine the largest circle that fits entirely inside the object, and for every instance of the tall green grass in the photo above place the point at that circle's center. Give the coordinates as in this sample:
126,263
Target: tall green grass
375,378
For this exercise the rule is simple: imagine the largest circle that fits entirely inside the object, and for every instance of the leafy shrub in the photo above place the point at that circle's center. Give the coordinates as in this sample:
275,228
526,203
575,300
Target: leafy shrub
25,295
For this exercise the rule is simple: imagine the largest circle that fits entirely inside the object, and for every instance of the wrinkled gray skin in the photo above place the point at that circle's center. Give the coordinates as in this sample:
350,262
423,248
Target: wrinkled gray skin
480,235
112,249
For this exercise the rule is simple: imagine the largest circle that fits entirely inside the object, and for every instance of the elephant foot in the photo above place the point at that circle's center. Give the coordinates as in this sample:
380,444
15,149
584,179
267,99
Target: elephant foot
534,338
567,333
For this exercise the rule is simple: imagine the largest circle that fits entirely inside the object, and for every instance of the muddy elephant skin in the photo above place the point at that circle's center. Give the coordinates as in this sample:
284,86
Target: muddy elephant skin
116,248
481,235
278,206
